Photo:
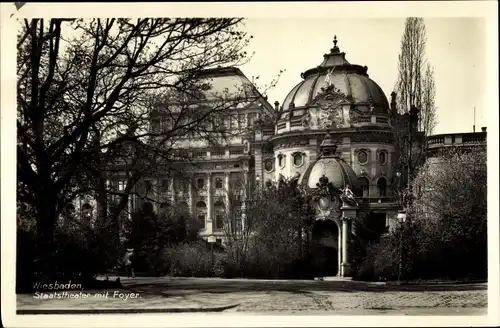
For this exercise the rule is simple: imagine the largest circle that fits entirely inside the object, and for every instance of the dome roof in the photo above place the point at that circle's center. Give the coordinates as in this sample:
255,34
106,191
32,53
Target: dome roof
220,84
331,166
352,80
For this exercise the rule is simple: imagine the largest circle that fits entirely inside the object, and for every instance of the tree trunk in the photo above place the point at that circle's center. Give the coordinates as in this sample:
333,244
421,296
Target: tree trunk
46,224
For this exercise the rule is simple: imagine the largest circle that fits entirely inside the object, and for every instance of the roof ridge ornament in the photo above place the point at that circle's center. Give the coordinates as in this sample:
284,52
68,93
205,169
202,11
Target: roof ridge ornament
328,147
335,49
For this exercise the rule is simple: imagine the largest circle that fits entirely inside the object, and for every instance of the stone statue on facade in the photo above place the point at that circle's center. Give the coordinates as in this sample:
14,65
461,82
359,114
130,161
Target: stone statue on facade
346,121
314,117
328,77
347,197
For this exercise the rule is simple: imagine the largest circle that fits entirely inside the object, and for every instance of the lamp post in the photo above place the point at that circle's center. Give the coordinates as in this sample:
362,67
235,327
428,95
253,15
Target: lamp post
402,220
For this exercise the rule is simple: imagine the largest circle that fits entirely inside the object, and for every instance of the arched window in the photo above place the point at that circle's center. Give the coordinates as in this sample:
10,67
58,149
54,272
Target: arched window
365,187
298,159
382,187
281,160
362,157
201,205
382,157
219,206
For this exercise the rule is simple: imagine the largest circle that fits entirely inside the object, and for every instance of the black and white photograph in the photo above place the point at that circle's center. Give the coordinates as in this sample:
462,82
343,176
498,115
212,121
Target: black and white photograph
291,163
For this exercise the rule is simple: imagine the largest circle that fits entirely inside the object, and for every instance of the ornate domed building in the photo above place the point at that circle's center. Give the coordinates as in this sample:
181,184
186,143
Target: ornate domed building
336,127
334,132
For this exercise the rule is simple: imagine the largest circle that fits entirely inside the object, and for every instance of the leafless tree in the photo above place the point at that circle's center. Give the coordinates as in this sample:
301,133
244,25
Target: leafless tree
414,101
83,91
428,118
415,85
450,212
274,221
452,186
239,225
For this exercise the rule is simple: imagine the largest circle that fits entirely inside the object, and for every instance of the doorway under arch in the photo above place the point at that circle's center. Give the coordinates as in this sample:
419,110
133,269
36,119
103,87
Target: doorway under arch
324,248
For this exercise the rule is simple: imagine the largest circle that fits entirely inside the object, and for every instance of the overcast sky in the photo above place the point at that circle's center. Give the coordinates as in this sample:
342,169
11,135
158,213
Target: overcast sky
455,48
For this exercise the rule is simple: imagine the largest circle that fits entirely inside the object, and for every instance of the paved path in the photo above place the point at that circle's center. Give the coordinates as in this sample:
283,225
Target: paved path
274,297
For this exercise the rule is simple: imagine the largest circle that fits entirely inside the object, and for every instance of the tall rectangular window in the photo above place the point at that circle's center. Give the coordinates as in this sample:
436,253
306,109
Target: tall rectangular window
241,121
219,221
365,187
218,183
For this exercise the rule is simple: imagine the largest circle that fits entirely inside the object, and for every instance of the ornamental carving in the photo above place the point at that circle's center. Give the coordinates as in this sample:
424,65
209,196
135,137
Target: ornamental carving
357,116
329,110
326,198
291,144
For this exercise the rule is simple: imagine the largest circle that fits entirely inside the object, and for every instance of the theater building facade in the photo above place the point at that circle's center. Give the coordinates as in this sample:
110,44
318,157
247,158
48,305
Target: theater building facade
336,127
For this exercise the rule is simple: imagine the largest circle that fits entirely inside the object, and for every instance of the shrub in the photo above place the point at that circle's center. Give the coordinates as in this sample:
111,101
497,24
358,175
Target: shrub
424,256
381,261
192,260
78,256
153,236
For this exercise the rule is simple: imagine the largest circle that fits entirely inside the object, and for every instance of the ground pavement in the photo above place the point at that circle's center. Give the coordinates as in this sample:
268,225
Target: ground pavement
246,296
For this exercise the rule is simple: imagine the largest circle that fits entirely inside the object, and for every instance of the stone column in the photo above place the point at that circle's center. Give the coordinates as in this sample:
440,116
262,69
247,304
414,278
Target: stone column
345,247
190,195
244,198
348,213
208,220
339,251
172,192
227,205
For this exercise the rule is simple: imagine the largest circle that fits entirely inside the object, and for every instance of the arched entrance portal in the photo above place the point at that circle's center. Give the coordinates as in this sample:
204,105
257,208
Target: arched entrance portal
324,248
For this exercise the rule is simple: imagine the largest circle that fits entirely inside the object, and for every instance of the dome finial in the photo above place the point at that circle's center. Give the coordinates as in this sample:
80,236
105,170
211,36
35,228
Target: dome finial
335,49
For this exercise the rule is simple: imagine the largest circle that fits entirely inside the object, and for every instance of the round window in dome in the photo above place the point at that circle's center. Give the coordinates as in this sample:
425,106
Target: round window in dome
362,157
269,165
298,159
